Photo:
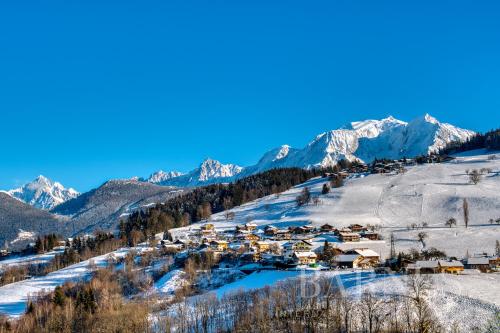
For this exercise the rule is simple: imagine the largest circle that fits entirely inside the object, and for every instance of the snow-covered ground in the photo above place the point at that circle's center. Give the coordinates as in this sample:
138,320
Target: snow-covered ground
429,193
469,300
14,297
29,260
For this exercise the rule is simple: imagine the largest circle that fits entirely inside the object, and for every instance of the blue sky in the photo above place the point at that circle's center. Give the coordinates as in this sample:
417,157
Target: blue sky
94,90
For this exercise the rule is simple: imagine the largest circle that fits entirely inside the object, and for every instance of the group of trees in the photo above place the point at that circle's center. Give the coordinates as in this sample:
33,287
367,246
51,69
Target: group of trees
84,248
46,243
490,140
94,306
315,305
200,203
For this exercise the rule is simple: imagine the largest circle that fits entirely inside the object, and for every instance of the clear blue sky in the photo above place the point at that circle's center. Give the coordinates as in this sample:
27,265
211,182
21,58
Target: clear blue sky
91,90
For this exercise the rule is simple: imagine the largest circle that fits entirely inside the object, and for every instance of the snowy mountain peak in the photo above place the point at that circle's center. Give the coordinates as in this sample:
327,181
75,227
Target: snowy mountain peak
43,193
372,128
430,119
162,176
360,140
211,169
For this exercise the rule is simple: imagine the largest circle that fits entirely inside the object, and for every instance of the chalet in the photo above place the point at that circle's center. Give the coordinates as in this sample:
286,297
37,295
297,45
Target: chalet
270,230
250,256
304,258
305,229
251,237
166,244
343,230
356,227
250,226
451,266
433,266
370,255
494,262
423,267
218,245
348,260
370,235
349,237
481,263
262,246
282,234
298,246
327,228
208,226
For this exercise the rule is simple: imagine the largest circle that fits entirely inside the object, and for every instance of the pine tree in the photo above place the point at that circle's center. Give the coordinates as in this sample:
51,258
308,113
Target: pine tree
326,189
59,297
465,206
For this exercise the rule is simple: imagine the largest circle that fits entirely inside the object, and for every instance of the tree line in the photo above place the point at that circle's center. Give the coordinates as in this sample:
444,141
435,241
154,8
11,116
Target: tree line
489,140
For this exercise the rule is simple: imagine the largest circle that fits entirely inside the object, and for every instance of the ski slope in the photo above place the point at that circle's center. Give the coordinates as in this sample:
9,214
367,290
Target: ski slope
429,193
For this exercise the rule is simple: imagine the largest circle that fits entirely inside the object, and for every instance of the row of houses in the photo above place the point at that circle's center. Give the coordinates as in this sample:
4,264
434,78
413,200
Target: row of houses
483,263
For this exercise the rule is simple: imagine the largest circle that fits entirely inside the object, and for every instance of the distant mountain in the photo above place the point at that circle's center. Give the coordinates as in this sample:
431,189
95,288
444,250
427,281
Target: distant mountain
43,193
103,207
362,140
18,219
210,171
162,176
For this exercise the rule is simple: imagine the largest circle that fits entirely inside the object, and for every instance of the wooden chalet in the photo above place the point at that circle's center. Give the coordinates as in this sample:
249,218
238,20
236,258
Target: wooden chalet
349,237
327,228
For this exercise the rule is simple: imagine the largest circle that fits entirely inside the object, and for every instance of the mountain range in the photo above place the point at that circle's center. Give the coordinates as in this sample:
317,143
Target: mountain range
43,205
362,140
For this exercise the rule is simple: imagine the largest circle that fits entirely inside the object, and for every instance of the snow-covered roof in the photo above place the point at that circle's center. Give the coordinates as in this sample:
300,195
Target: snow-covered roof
478,261
451,263
366,252
346,257
305,254
426,264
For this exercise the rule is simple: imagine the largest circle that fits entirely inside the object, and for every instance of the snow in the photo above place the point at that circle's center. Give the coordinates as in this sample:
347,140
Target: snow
43,193
14,297
429,193
468,300
170,282
162,176
28,260
209,171
363,140
23,235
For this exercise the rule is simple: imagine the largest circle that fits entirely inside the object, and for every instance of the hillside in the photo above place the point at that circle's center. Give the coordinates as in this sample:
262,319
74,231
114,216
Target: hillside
429,193
20,222
103,207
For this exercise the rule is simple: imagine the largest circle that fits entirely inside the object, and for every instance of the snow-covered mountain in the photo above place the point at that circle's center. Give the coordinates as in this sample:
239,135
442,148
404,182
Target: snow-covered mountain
43,193
162,176
370,139
363,140
210,171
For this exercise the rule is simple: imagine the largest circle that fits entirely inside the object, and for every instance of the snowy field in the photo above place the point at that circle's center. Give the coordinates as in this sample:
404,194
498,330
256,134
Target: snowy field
35,259
14,297
429,193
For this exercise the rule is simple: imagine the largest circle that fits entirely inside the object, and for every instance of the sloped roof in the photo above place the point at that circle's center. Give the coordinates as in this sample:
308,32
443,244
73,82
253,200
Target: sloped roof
346,257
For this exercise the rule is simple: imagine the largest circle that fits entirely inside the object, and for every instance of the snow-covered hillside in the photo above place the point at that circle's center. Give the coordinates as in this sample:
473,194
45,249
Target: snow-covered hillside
43,193
362,140
428,195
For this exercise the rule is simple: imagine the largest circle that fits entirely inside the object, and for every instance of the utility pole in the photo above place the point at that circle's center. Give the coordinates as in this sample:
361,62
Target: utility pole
393,247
